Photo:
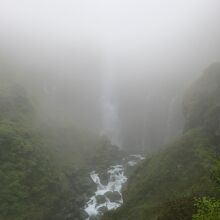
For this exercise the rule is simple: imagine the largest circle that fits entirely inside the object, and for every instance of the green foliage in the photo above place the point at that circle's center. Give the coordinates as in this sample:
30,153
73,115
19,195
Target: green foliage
166,179
28,186
202,102
215,170
178,209
43,166
208,209
165,185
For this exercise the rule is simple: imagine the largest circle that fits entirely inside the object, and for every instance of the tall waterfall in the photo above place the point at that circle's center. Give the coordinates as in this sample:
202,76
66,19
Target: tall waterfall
110,118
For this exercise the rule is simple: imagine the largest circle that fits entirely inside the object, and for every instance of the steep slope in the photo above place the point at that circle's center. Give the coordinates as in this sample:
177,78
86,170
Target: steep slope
43,166
165,186
201,104
28,185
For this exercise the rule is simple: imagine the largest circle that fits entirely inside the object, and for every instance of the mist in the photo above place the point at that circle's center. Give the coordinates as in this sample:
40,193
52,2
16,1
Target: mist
117,68
109,109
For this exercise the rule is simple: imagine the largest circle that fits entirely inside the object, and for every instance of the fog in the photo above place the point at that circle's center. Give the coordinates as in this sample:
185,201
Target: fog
118,68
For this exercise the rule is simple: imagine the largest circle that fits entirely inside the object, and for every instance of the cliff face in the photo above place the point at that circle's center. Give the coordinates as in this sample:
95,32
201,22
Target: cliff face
150,115
165,186
201,104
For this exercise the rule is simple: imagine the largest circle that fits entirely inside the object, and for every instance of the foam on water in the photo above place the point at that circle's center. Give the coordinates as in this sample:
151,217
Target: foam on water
115,183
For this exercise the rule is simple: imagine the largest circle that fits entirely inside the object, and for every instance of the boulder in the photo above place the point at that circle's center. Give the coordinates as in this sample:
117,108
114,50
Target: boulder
113,196
100,199
103,209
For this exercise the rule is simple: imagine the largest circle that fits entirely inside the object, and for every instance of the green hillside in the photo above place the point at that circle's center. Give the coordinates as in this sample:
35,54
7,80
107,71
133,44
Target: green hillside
43,166
182,180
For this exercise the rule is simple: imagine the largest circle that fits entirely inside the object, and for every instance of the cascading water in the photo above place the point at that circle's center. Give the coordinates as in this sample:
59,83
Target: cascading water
110,119
109,196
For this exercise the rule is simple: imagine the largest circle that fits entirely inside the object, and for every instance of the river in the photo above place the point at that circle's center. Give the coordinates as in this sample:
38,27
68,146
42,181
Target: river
109,196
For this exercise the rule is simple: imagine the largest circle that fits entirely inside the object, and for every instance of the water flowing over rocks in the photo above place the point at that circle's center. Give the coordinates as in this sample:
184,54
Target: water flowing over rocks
109,196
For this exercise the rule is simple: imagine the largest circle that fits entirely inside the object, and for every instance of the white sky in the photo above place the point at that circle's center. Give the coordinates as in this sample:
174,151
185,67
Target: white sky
150,28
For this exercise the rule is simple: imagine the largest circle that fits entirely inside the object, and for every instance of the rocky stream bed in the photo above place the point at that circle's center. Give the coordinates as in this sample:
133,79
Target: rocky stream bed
108,194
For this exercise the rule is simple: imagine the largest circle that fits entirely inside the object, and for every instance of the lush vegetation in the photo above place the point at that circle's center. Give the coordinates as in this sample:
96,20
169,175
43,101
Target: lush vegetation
182,181
43,166
208,209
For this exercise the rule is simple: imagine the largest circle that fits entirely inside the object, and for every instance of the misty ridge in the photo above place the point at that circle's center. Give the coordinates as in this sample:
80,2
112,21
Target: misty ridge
76,69
105,103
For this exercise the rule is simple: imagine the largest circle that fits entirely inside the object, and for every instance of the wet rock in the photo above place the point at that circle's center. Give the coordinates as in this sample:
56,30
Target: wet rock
100,199
104,178
112,181
103,209
84,215
94,217
113,196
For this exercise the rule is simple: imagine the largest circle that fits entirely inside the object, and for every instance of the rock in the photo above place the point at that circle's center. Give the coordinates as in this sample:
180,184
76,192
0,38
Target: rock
113,196
103,209
104,178
84,215
100,199
94,217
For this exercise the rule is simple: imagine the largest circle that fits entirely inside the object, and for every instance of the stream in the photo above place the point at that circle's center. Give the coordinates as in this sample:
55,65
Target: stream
109,196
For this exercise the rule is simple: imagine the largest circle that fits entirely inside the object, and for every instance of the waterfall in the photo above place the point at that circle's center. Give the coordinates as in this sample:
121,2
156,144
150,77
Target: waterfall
110,119
174,118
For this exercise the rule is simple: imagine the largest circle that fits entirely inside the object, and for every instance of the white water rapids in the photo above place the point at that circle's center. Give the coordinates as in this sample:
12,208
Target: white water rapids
109,196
